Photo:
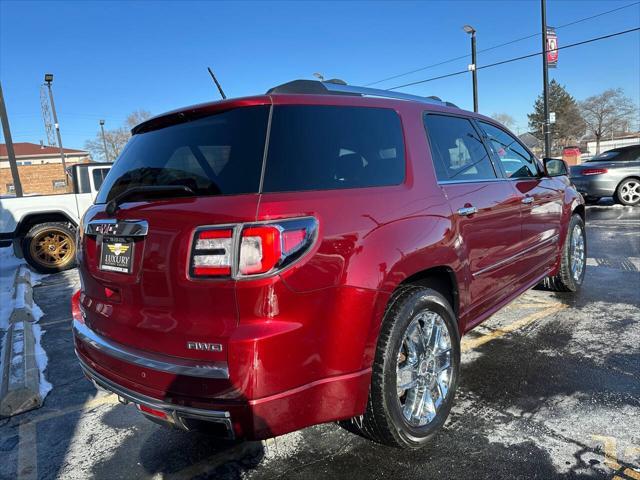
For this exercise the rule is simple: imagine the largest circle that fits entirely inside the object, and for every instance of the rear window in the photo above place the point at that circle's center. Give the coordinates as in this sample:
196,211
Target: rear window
623,155
217,155
310,148
331,147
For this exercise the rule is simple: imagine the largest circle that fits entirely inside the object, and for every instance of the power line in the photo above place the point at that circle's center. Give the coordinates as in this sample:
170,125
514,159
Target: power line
433,65
522,57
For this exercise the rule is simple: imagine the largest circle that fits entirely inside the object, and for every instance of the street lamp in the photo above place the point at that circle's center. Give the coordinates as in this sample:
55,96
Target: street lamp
472,31
48,78
104,141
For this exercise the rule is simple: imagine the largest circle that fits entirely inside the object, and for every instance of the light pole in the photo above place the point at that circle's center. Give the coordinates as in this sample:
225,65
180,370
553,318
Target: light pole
104,141
11,155
545,79
48,78
472,31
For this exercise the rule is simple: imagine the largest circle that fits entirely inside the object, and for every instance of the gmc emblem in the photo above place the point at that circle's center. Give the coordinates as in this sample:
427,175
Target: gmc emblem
207,347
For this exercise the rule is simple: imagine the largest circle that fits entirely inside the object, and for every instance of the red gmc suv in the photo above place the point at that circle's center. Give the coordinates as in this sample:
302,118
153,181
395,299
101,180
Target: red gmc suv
258,265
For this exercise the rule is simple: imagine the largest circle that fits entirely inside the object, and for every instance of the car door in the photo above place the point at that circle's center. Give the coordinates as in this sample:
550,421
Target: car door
541,201
485,207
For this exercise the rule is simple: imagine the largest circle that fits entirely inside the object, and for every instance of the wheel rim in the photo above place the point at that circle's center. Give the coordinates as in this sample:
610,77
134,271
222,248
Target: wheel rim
52,248
630,192
424,368
577,253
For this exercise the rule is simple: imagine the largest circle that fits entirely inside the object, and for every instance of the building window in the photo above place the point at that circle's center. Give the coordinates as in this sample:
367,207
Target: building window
57,184
24,162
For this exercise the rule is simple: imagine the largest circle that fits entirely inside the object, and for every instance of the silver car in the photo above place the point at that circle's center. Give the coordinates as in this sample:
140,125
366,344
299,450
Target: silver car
614,173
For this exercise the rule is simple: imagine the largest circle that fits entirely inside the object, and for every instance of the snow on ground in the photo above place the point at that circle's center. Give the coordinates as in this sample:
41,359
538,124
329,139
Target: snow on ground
9,265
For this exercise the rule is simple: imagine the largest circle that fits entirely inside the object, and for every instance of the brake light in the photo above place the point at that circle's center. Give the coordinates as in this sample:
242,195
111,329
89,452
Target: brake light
594,171
212,253
260,248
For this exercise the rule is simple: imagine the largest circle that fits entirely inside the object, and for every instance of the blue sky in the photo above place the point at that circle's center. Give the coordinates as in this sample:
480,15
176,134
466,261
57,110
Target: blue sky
115,57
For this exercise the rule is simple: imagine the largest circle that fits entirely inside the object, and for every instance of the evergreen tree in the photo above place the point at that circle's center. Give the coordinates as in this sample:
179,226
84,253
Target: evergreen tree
569,125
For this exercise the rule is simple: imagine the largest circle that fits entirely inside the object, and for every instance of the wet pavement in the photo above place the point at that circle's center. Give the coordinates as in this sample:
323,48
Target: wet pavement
550,388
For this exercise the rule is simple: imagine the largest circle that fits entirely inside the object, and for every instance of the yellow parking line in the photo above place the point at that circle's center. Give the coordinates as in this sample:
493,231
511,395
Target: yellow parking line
471,343
27,434
632,473
109,399
27,452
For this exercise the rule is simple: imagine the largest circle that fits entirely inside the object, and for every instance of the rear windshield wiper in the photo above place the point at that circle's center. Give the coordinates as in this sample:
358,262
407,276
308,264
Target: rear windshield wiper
148,191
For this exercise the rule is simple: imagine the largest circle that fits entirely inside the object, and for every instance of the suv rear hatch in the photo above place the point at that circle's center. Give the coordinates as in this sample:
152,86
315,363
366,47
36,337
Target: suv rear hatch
202,170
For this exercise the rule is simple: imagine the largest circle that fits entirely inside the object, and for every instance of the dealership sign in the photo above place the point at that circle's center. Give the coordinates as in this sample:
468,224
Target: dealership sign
552,47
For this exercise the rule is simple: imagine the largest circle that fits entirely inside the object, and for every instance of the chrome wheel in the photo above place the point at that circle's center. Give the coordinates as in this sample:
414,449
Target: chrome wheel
577,253
424,369
630,192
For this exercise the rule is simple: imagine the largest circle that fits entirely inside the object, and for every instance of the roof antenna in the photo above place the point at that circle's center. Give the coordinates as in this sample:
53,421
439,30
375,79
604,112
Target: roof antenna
224,97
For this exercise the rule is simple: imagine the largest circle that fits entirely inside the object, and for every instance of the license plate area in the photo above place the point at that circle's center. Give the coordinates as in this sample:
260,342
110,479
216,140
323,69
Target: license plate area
117,254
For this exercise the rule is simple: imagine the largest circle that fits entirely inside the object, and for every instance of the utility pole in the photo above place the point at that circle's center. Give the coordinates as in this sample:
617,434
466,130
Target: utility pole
545,79
474,72
17,186
48,78
104,142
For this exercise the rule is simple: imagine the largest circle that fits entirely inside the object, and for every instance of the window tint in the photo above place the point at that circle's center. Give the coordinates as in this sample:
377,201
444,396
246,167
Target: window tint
457,150
215,155
99,175
622,155
330,147
516,161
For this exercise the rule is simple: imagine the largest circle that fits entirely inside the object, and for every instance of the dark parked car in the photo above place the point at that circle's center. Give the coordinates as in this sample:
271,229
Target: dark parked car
614,173
314,254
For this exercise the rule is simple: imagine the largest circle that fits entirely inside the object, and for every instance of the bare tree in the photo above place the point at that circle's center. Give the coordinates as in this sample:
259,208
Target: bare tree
607,113
139,116
115,138
505,119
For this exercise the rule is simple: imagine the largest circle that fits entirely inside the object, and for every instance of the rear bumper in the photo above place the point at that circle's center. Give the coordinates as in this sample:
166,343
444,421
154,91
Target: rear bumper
185,397
594,186
177,415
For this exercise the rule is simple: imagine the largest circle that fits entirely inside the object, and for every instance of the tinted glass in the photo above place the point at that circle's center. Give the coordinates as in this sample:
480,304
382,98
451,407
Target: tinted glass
622,155
516,161
330,147
216,155
457,151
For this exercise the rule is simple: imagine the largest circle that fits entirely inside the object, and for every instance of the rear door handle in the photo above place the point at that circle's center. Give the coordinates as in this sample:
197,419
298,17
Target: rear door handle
466,211
527,200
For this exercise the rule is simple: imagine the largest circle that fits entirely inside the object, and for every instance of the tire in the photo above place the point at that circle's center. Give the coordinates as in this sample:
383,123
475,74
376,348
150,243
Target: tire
628,192
384,421
568,280
50,247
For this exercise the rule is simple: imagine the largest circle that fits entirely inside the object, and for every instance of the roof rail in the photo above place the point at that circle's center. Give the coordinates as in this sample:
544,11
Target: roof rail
316,87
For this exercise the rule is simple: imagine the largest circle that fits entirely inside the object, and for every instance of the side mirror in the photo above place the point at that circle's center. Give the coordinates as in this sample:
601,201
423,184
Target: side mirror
554,167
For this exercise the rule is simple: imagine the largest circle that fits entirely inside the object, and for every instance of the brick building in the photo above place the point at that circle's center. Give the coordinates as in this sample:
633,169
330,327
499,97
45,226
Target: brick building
39,167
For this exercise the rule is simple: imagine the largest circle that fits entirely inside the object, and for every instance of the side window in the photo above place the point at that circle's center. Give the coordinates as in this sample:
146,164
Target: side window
98,176
457,150
330,147
516,161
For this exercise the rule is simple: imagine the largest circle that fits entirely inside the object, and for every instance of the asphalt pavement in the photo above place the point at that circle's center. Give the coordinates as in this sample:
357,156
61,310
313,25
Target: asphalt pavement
550,388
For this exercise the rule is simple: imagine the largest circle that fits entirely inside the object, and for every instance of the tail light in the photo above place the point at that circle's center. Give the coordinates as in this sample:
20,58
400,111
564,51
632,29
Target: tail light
252,249
212,252
76,308
594,171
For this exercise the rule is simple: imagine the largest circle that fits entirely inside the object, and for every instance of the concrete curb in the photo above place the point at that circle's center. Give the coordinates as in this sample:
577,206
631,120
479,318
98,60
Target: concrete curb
20,376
